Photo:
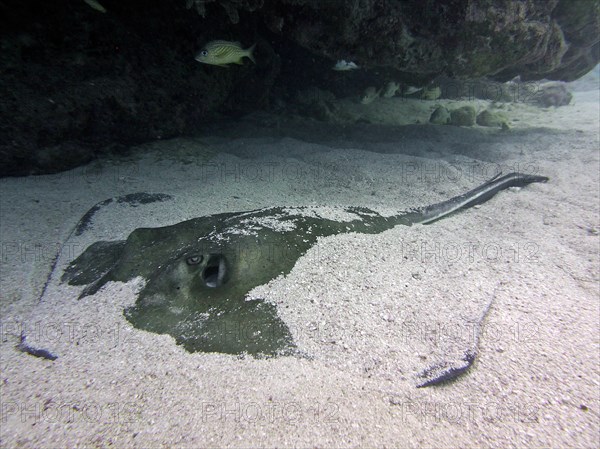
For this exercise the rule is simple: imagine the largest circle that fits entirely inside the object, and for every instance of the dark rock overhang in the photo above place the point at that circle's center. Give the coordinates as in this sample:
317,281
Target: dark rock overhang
76,81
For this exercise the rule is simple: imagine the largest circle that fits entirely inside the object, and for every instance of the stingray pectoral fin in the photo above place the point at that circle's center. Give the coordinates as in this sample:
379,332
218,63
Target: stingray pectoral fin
94,263
251,327
476,196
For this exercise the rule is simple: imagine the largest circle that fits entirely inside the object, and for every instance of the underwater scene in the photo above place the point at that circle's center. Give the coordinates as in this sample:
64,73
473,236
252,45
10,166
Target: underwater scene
298,223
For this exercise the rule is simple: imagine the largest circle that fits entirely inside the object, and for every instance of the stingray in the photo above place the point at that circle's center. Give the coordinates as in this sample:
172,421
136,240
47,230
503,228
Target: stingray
198,273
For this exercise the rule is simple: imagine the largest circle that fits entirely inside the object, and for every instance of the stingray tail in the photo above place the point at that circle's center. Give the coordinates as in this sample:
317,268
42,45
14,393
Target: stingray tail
476,196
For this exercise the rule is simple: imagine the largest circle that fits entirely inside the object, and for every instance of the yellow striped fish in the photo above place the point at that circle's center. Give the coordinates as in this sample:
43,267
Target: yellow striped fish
222,53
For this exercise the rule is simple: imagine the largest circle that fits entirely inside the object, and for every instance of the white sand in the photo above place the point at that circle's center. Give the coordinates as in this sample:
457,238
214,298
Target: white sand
370,310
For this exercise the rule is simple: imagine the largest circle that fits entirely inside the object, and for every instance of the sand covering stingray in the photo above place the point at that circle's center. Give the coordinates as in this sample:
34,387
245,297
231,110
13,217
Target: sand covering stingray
197,273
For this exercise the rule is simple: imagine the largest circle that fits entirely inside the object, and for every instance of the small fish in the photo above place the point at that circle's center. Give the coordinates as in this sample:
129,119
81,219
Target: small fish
222,53
95,5
343,66
409,90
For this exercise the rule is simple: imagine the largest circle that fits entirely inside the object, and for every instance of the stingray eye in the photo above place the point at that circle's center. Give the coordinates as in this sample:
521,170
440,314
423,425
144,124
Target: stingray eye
194,260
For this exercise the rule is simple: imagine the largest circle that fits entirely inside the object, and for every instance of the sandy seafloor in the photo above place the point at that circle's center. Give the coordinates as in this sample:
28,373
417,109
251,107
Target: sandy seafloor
533,251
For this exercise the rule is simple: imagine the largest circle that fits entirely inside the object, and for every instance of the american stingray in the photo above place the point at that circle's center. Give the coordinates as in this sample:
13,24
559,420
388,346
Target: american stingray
198,272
